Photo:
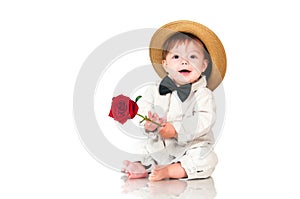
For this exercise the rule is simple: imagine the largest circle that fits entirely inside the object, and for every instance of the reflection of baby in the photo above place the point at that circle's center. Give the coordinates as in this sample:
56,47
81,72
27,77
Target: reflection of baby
144,188
182,103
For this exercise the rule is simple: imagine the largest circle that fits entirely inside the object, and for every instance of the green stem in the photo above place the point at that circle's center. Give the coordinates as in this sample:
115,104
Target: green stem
147,119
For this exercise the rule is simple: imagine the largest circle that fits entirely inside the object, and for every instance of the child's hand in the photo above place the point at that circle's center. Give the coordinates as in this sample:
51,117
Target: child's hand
149,126
167,131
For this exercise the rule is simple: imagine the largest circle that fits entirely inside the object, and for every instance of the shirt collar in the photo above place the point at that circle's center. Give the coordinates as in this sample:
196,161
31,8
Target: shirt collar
201,83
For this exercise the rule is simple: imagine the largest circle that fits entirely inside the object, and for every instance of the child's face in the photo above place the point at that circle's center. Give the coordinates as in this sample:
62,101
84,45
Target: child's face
185,62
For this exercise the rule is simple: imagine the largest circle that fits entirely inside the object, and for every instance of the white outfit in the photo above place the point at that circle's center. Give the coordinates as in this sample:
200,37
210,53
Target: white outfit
193,120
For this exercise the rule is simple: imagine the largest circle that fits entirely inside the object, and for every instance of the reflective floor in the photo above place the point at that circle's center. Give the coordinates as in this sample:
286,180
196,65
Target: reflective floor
143,188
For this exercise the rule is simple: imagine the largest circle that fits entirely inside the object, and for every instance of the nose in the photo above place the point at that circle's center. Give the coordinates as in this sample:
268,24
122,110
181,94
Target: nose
183,61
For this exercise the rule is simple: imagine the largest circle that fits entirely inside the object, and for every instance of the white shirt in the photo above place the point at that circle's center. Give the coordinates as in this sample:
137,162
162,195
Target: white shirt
192,119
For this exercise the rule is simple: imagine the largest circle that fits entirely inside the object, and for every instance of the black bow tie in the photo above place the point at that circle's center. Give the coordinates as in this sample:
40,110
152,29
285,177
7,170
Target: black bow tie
168,86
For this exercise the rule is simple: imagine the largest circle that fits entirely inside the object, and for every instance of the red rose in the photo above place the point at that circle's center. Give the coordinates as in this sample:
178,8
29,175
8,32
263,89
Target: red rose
123,108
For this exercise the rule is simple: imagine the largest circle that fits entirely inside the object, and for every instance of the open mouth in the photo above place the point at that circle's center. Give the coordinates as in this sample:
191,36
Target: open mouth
184,72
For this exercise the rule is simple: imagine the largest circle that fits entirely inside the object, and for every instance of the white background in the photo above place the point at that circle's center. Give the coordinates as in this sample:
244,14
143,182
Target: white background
44,44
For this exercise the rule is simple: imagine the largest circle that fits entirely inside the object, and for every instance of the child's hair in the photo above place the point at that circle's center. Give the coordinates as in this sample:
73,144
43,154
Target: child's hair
182,37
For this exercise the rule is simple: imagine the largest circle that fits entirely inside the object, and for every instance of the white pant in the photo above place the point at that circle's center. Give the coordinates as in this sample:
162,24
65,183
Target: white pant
198,162
198,165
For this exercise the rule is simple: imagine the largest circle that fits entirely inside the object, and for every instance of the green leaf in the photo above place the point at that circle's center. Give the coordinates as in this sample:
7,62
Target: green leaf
137,98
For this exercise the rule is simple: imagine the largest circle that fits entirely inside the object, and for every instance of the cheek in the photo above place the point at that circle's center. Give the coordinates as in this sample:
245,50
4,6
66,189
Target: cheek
170,66
195,74
171,71
200,67
197,69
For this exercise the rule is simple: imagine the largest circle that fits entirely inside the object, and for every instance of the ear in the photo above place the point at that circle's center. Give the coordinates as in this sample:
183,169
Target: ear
204,65
164,64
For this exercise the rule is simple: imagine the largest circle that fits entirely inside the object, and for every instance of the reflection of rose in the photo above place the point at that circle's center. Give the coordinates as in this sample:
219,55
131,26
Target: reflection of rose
123,108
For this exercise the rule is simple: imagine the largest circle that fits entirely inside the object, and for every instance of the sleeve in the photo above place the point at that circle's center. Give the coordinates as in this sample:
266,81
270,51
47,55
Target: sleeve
198,122
146,103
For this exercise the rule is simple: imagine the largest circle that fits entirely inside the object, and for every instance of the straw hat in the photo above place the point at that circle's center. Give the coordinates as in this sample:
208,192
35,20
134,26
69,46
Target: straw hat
208,37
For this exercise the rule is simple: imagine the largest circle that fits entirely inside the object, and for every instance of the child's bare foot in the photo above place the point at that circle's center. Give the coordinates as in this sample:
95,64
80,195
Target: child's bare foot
134,170
168,171
159,173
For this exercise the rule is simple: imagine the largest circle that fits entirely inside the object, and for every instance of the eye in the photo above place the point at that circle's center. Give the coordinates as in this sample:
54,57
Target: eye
193,57
175,57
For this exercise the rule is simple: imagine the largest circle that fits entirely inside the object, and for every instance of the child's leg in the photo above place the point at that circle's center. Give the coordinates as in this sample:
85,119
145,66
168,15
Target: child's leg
134,170
168,171
197,163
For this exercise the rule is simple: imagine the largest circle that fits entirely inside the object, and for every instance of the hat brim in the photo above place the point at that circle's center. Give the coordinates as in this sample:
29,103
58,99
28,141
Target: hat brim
208,37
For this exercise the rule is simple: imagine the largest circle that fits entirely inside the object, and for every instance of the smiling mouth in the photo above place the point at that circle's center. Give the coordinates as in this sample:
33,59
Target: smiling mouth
184,71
